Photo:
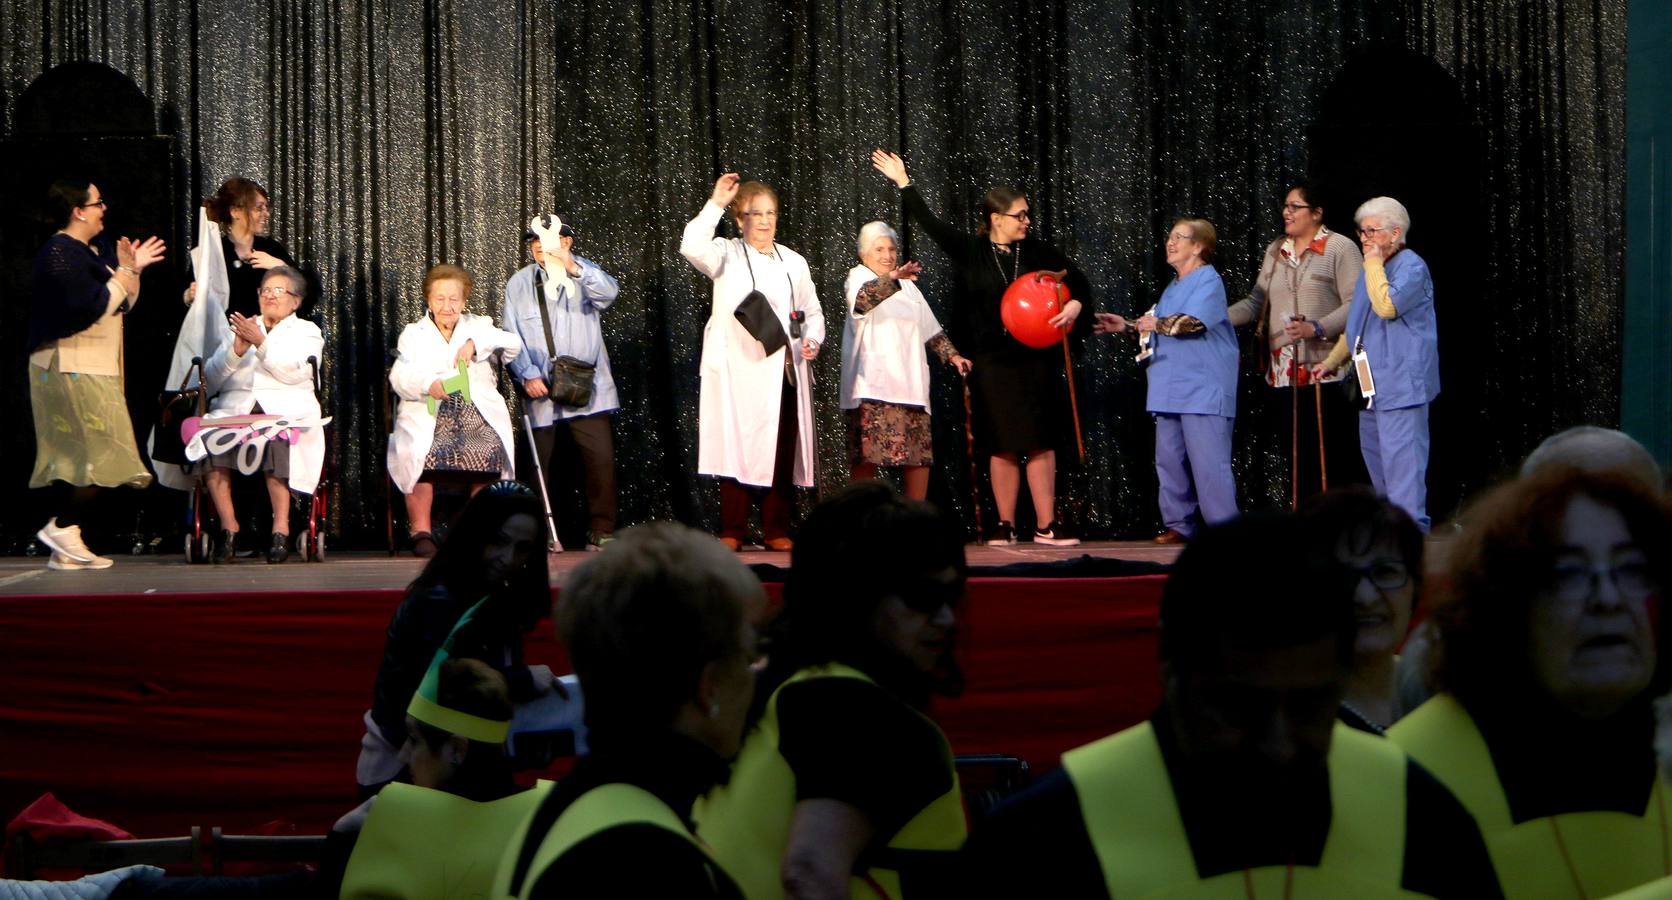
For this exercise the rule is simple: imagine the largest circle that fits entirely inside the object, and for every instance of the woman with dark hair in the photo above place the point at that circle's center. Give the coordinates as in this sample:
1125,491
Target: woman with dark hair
1382,547
1298,305
1019,401
765,326
660,629
841,764
1192,353
242,210
82,288
1549,657
496,554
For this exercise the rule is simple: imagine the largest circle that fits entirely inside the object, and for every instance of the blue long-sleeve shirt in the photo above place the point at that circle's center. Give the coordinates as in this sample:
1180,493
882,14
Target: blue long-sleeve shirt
1404,351
577,331
1195,373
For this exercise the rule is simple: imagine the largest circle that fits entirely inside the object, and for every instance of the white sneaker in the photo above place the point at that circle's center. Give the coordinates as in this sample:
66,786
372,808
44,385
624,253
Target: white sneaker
66,541
63,562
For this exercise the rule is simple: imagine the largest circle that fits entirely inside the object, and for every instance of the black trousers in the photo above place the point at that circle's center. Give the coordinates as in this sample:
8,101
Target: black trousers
1341,451
779,500
592,438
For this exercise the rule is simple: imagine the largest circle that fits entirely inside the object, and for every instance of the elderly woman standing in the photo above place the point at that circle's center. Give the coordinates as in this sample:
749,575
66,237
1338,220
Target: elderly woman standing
1393,336
1192,385
1298,304
1548,661
267,366
885,371
83,438
1019,401
755,416
461,439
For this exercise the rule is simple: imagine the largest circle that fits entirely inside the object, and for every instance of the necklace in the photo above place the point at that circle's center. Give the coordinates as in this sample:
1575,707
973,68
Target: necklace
1015,261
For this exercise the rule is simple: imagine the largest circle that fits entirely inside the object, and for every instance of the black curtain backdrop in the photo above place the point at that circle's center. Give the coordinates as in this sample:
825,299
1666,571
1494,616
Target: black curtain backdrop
393,135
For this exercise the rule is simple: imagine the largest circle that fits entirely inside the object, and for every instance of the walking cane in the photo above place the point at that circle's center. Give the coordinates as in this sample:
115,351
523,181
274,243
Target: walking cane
1068,370
556,546
969,448
1323,465
1294,433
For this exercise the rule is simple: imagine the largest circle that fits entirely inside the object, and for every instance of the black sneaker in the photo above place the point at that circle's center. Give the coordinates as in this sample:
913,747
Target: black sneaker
1002,534
1055,535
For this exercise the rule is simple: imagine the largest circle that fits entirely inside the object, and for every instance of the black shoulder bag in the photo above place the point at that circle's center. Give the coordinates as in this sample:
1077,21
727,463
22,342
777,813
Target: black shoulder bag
570,379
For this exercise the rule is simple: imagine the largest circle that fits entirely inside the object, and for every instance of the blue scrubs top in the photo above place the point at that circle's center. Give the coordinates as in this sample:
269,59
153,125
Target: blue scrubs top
1195,373
1404,351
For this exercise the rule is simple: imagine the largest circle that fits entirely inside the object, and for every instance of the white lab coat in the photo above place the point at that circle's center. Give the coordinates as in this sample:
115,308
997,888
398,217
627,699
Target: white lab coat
737,412
884,357
277,376
425,356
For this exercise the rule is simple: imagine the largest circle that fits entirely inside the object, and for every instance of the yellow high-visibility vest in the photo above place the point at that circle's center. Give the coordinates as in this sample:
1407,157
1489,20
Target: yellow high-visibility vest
423,844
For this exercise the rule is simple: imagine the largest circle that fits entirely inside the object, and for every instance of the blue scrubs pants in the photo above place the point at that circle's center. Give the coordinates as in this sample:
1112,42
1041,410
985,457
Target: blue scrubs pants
1394,443
1193,464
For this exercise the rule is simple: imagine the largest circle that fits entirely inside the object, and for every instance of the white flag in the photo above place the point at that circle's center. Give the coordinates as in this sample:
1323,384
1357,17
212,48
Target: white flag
202,331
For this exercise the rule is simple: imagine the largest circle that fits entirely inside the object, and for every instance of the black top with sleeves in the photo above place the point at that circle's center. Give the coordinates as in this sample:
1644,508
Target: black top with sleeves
71,288
244,281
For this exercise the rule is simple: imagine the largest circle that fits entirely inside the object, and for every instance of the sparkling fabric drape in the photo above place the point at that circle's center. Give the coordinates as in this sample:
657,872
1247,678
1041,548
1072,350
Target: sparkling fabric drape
394,134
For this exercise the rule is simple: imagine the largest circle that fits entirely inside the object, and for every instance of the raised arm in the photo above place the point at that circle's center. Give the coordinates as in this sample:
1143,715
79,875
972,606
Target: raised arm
698,244
893,168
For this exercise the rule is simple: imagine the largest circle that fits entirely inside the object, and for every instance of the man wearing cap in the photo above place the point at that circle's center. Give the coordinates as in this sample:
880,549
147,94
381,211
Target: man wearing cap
563,325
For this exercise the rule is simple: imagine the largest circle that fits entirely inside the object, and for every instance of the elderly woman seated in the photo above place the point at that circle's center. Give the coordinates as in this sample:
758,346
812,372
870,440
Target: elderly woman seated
448,428
267,366
885,366
1548,658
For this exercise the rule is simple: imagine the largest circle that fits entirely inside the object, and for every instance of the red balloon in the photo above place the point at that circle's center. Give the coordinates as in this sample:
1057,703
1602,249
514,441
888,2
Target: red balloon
1028,306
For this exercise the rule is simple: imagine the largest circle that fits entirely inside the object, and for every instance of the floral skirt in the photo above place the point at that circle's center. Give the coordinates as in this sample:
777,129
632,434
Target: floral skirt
83,435
889,434
465,444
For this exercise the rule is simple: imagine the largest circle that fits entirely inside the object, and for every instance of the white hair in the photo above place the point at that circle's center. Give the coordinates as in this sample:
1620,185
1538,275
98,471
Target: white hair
1390,211
874,231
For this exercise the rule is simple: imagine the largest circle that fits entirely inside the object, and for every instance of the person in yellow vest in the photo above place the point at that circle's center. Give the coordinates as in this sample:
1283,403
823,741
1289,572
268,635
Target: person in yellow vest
1547,663
844,786
1243,783
659,627
442,835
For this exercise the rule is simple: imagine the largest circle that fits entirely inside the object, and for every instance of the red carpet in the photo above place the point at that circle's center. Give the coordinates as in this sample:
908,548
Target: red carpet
162,711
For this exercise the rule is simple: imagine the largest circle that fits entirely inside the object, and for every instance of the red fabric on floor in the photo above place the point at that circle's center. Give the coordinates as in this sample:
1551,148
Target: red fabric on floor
161,711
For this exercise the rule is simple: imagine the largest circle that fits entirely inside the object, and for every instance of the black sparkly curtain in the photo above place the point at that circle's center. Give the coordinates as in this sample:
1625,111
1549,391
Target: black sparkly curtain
395,134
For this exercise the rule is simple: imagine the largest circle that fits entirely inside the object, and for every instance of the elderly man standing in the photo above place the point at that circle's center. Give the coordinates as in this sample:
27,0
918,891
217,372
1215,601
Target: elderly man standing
1394,342
553,304
1243,783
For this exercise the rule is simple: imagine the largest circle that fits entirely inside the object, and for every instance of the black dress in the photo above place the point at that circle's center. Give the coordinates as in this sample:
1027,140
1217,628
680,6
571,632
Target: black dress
1017,392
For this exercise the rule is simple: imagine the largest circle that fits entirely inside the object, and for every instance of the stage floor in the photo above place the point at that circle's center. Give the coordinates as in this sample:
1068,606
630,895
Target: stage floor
371,570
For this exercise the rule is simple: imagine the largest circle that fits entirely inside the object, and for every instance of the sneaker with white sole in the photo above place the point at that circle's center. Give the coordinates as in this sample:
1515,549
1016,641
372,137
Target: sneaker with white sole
1055,535
65,540
65,563
1002,534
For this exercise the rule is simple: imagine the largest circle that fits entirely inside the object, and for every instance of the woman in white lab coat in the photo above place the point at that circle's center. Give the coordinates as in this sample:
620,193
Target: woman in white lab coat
755,405
264,367
461,440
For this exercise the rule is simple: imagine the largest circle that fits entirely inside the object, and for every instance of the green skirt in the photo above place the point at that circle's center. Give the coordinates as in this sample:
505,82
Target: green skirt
82,432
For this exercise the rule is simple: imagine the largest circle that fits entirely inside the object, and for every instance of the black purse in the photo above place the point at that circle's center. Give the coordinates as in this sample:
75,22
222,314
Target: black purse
167,444
570,380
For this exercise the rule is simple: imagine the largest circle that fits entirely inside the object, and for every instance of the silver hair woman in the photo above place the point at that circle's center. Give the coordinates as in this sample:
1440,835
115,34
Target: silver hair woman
885,364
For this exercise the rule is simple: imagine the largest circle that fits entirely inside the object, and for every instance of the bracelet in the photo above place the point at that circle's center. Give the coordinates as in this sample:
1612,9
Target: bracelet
1317,329
130,271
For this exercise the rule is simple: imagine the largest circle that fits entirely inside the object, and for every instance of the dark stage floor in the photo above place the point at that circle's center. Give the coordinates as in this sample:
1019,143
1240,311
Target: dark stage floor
375,570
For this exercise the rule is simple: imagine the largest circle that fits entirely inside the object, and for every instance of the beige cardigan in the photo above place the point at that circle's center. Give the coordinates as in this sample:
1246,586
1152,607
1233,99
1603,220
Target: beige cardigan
1320,289
96,349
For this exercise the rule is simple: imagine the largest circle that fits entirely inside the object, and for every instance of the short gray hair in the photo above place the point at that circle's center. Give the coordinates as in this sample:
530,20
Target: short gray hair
872,231
1390,211
1595,449
298,281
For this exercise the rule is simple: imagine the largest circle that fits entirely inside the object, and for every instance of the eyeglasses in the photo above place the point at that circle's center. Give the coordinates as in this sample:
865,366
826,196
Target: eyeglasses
1179,238
1366,232
99,203
763,214
1297,207
1023,216
1575,582
277,290
1385,574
